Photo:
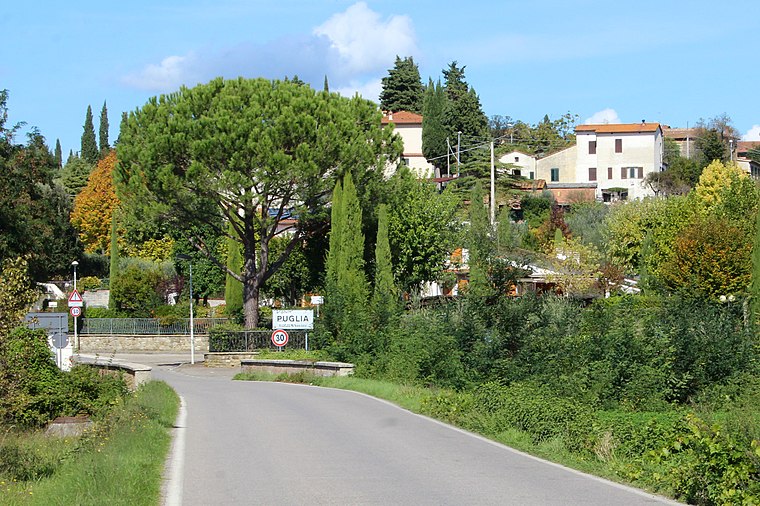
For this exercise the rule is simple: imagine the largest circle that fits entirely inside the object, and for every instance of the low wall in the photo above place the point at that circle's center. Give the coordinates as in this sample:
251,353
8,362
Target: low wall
134,374
104,343
296,366
227,359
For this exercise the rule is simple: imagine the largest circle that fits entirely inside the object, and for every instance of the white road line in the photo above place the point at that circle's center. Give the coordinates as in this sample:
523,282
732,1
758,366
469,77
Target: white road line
176,464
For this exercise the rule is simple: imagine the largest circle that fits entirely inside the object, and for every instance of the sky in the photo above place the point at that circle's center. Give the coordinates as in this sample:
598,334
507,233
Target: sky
670,61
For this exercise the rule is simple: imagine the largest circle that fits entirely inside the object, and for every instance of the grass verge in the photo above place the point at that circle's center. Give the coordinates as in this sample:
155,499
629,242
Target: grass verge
119,461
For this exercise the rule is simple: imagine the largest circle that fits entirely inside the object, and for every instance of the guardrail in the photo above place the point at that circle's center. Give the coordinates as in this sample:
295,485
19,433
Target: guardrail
250,340
148,326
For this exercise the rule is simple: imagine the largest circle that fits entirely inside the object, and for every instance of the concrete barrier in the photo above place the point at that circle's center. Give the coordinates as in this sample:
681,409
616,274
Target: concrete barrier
134,374
296,366
227,358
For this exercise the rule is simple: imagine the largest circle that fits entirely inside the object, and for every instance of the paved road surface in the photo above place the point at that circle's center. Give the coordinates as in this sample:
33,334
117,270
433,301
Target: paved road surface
274,443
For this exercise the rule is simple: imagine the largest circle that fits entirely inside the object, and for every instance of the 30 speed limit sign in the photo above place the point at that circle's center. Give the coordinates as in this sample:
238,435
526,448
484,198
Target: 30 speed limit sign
280,338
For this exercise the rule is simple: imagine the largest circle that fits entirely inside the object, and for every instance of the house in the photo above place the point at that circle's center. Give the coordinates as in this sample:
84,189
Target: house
618,157
685,138
744,162
608,162
409,127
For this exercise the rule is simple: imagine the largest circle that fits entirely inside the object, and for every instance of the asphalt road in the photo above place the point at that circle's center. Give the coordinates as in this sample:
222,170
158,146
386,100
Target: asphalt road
274,443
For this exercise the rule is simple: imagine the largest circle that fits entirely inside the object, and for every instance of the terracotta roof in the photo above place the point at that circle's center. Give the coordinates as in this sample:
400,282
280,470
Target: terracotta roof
619,128
401,118
680,133
744,146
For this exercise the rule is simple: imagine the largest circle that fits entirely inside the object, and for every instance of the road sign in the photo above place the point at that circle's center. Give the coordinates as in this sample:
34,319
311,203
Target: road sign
75,300
280,338
317,300
75,311
60,340
292,319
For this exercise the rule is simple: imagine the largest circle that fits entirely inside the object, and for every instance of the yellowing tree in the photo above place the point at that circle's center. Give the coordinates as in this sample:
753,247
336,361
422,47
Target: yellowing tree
94,207
715,179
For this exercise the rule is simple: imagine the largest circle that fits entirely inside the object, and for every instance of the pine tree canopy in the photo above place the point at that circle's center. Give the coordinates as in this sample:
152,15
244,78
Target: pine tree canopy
402,87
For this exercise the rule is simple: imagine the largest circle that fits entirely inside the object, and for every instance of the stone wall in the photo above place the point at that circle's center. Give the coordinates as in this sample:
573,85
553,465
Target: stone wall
297,366
100,343
227,359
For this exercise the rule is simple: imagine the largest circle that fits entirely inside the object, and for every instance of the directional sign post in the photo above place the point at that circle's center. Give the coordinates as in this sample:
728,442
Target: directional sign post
280,338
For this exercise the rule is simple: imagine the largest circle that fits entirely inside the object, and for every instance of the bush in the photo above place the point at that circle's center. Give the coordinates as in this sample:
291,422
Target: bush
135,291
29,379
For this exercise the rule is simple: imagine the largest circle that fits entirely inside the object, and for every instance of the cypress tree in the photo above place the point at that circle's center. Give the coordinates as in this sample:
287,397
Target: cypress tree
89,145
104,146
233,289
326,86
479,244
58,154
463,112
433,132
385,295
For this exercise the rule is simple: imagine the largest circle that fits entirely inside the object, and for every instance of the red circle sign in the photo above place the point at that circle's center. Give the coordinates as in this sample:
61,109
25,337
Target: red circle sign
280,338
75,311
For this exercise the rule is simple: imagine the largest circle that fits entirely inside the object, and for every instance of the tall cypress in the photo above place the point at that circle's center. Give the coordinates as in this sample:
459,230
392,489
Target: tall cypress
104,146
89,145
233,289
385,295
755,287
433,133
479,244
58,154
326,86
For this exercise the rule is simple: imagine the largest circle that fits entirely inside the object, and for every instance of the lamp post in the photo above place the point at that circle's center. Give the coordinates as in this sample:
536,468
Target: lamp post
192,322
76,330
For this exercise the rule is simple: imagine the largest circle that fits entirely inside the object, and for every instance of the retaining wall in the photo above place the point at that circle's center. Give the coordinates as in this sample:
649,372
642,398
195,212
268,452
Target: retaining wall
103,343
296,366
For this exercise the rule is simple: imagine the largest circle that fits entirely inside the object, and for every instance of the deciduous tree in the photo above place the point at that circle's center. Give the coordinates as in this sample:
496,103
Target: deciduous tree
94,207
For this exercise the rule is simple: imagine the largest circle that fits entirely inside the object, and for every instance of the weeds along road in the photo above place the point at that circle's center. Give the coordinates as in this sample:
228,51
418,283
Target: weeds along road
275,443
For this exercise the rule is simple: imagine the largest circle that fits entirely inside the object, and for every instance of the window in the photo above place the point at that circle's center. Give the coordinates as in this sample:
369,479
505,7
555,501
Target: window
532,175
592,173
516,172
609,172
591,147
405,161
632,172
555,174
640,171
618,145
517,159
623,172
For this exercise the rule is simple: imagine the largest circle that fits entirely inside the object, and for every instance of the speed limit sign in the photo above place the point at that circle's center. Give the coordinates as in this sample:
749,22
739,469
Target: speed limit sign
280,338
75,311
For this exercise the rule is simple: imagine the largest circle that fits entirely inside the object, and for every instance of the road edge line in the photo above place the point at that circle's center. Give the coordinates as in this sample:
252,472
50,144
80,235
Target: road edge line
176,462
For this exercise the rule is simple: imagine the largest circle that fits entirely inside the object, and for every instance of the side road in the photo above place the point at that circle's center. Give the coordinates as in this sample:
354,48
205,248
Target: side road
273,443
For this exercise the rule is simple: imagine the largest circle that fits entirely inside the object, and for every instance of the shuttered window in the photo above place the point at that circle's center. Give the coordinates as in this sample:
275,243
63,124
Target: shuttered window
592,173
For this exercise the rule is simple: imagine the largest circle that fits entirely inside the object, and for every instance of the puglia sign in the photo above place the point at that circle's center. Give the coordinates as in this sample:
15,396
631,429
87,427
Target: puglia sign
292,319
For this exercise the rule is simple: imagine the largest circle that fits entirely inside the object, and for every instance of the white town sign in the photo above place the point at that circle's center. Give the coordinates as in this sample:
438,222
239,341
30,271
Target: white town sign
293,319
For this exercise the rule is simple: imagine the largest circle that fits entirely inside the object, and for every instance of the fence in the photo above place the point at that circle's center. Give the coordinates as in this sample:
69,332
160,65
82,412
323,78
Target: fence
148,326
250,340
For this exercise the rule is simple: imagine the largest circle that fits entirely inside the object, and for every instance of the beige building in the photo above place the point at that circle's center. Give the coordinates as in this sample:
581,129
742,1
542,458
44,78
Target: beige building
409,127
613,159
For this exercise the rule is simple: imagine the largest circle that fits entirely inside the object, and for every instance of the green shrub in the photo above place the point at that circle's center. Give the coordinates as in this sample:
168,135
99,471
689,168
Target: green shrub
29,379
103,312
88,283
22,463
135,291
88,391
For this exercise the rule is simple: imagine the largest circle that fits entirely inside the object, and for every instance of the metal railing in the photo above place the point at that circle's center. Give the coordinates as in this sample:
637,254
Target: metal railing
250,340
148,326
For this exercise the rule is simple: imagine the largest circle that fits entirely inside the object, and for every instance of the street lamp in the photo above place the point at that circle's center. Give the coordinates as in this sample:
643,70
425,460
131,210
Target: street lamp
192,325
74,265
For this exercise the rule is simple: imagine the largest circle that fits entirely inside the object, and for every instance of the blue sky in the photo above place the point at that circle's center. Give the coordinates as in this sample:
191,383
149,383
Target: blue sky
669,61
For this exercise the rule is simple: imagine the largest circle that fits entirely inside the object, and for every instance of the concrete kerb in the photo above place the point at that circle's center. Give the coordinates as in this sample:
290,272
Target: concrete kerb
136,374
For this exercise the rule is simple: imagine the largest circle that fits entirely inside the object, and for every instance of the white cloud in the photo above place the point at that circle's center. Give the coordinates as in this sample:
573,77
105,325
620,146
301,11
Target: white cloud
753,134
364,41
602,117
171,73
354,48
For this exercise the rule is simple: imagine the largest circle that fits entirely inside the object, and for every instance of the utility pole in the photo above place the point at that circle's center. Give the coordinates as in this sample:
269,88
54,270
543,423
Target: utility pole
493,187
459,138
448,157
